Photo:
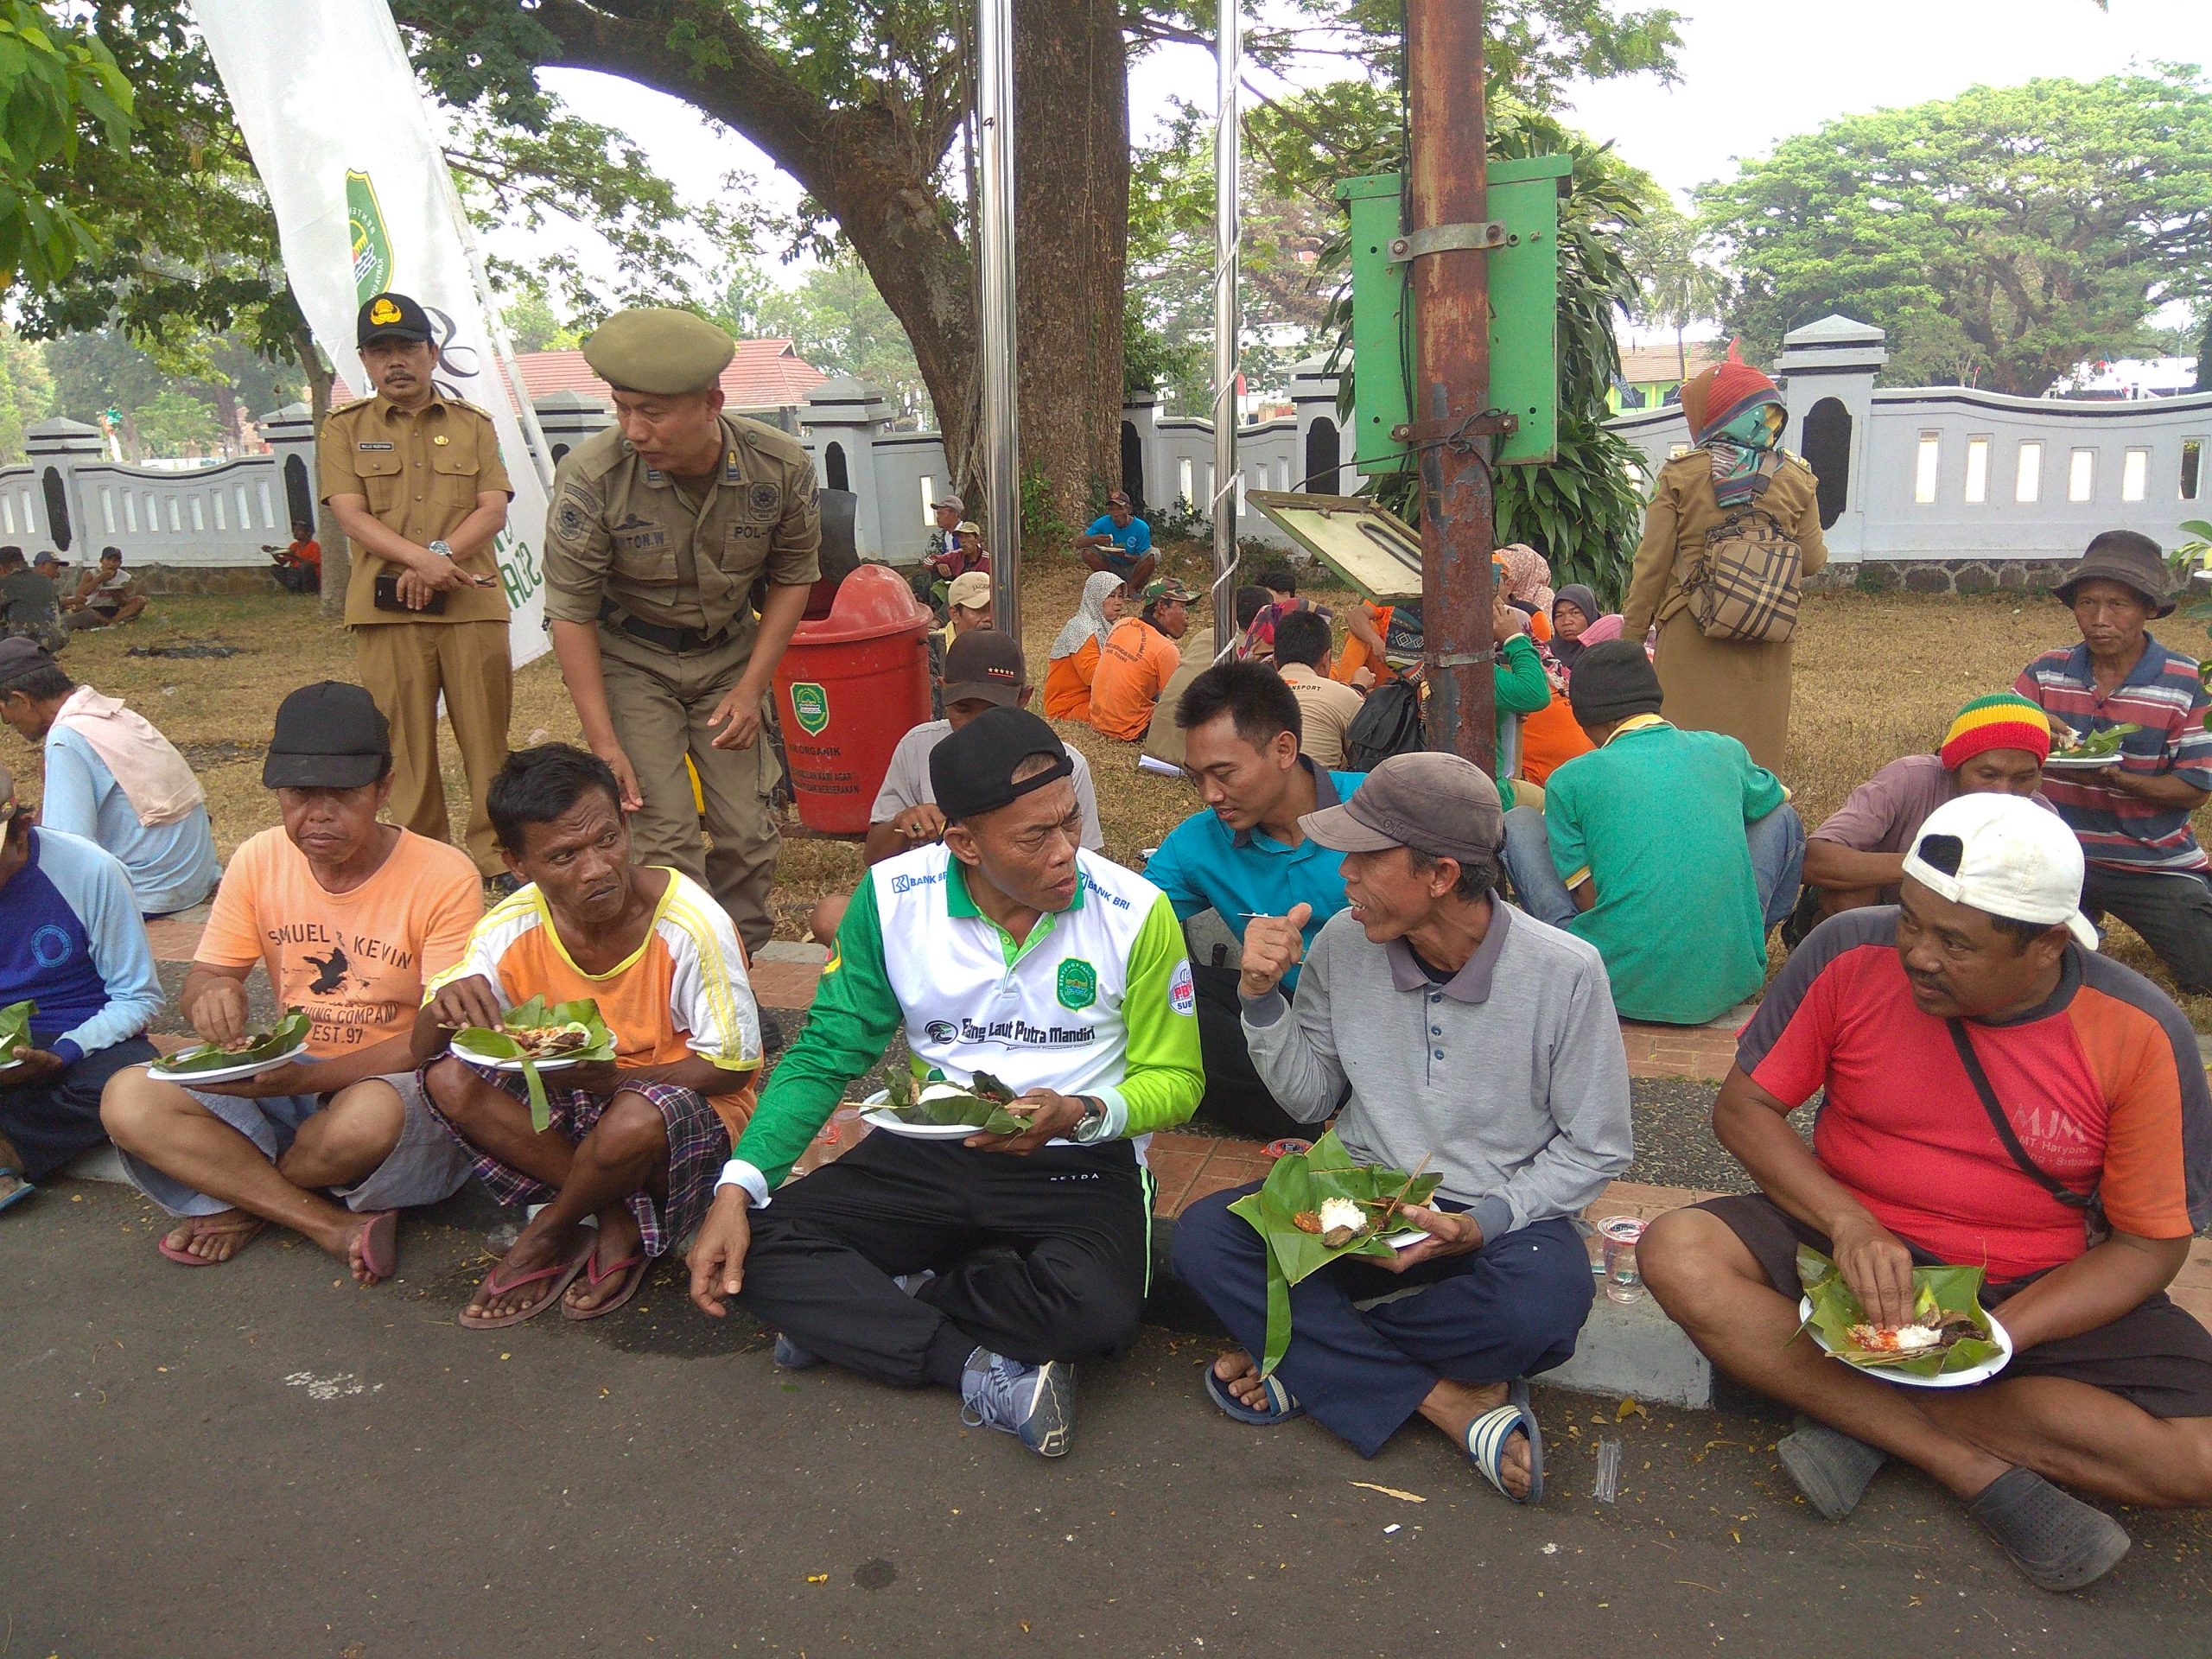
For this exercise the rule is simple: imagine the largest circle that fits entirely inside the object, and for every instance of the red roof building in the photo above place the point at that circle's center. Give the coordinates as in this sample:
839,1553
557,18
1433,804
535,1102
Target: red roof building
765,374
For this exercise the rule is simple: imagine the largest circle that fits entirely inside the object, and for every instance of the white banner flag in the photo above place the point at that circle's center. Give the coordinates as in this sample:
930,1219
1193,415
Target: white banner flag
343,141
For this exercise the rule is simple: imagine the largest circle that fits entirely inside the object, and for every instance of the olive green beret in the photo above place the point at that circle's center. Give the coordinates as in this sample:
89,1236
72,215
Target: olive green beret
651,349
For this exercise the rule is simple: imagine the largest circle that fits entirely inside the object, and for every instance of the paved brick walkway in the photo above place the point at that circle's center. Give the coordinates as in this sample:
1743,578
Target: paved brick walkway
1187,1167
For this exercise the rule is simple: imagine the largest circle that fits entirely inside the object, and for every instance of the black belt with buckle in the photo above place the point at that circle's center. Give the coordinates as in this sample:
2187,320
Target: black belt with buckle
679,640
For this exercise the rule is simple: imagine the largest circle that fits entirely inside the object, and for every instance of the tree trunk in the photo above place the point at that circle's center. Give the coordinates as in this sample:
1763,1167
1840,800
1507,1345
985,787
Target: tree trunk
878,169
1072,203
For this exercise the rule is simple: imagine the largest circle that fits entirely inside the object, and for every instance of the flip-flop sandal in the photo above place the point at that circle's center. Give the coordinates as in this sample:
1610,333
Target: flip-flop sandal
22,1190
1488,1433
556,1279
638,1266
1282,1407
185,1258
380,1245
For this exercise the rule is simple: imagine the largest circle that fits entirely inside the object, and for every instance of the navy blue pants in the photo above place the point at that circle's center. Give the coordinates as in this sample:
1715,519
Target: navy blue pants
1511,1308
53,1120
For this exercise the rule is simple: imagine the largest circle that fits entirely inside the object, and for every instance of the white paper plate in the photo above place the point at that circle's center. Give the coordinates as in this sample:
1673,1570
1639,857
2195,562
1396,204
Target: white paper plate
1406,1240
228,1073
2081,762
891,1123
510,1063
1965,1379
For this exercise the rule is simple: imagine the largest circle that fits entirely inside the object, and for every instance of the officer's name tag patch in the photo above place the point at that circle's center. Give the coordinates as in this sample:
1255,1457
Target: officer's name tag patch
764,501
365,445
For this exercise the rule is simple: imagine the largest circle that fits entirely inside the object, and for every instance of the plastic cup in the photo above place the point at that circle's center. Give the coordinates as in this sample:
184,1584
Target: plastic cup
1624,1279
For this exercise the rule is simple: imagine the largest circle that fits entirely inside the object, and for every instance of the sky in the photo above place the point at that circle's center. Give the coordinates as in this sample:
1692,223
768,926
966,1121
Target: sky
1752,72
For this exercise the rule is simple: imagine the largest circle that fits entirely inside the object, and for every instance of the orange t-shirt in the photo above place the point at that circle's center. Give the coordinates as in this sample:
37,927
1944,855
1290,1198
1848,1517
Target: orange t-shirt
1067,683
1135,666
357,962
1550,738
1355,656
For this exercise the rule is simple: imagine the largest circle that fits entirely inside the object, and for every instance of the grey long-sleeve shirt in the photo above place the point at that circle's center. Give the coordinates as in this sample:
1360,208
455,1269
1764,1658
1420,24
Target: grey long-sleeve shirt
1511,1074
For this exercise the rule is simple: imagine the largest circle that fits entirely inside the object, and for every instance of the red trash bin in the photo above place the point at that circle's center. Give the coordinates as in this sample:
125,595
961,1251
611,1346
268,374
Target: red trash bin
849,688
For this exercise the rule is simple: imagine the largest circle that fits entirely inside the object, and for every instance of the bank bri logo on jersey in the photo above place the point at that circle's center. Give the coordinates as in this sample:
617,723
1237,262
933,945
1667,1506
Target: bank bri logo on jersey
809,707
1076,985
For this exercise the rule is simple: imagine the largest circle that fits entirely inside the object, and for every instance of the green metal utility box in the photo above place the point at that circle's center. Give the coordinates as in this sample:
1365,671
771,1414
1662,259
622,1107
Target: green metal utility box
1523,196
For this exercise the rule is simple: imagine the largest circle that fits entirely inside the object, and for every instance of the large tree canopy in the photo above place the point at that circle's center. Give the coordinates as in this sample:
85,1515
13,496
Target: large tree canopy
59,88
2001,237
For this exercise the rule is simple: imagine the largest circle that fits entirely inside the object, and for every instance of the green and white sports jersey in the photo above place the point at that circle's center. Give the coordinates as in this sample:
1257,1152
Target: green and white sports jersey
1097,1001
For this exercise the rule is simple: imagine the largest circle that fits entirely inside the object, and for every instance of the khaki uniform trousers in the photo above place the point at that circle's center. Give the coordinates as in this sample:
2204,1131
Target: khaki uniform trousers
659,700
405,665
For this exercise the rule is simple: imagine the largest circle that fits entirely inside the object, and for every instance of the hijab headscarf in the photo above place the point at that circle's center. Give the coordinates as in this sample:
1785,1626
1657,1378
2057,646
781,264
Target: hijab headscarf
1528,577
1736,416
1088,621
1584,600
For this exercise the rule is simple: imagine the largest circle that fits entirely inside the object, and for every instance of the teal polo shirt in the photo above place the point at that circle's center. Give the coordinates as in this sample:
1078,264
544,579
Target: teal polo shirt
1203,866
1656,818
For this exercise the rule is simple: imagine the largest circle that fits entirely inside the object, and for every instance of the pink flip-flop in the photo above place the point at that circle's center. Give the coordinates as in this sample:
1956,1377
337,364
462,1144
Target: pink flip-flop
185,1258
556,1279
636,1267
380,1245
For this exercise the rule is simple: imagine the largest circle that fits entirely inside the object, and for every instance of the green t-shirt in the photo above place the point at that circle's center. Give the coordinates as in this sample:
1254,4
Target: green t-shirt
1655,818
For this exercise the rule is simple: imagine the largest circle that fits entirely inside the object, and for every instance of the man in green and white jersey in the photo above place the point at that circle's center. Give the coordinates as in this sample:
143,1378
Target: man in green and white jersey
1006,949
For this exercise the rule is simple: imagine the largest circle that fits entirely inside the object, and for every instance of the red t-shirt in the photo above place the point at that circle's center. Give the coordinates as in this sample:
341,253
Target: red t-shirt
2091,1083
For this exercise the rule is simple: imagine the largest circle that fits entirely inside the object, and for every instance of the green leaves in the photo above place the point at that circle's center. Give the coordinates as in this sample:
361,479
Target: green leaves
1942,1293
1298,1185
286,1034
59,85
982,1106
16,1030
480,1043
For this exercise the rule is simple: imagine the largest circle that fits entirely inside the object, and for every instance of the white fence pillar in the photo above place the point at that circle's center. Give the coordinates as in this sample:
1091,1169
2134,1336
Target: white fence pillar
1827,370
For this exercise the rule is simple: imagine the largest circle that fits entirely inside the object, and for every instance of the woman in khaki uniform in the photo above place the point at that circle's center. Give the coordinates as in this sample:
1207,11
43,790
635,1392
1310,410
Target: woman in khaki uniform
1739,686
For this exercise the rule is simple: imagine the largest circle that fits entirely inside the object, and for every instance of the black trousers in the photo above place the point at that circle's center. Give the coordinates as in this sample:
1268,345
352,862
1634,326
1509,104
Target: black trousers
1235,1095
1037,1258
2171,910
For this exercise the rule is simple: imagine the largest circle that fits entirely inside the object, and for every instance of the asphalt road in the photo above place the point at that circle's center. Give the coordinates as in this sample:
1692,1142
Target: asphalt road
263,1461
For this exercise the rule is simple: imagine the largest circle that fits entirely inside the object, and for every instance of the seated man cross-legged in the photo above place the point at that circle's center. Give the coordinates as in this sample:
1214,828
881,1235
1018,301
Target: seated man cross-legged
987,1265
633,1143
1447,1030
1999,1096
349,917
1672,851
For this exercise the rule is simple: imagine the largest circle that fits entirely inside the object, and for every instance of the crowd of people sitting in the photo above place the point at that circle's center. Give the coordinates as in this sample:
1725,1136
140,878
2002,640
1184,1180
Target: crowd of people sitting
1430,958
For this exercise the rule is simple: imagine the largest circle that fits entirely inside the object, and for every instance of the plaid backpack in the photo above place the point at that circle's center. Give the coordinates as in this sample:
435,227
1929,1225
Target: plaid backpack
1743,583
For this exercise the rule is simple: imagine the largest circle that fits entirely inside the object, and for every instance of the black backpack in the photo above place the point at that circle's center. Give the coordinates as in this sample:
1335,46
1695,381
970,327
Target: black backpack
1388,723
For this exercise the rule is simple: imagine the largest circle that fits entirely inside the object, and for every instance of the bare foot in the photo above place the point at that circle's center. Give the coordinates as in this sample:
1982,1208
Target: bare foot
1453,1407
526,1255
217,1238
357,1262
619,1240
1241,1376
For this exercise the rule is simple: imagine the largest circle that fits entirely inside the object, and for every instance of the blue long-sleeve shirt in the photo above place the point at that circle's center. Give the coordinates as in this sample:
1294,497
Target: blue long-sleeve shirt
172,867
70,940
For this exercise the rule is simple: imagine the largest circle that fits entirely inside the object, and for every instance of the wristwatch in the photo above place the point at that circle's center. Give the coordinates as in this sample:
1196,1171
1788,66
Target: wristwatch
1092,1123
441,550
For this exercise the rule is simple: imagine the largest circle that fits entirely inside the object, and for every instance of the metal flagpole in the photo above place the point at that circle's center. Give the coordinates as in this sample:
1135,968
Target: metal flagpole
1229,239
1000,433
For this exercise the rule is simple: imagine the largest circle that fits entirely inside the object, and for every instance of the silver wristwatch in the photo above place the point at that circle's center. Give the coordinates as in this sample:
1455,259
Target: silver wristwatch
1092,1123
442,550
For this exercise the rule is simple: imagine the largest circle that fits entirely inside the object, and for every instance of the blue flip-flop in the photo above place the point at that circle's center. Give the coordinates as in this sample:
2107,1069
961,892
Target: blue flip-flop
23,1189
1488,1433
1282,1405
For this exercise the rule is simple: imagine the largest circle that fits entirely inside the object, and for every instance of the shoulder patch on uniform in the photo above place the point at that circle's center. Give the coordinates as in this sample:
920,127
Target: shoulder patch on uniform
764,501
1182,998
574,510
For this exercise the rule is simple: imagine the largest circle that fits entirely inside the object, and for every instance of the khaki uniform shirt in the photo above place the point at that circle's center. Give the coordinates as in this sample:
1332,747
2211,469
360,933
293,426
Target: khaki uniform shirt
623,532
422,473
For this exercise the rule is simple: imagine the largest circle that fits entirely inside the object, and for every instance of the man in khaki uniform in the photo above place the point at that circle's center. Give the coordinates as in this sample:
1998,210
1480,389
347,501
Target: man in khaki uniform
414,481
658,529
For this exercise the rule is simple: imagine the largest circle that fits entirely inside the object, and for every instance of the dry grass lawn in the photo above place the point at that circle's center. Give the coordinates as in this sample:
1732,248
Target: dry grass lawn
1878,677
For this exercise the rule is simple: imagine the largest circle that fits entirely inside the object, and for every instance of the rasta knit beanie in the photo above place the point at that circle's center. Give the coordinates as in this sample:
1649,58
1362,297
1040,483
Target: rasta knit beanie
1612,682
2007,721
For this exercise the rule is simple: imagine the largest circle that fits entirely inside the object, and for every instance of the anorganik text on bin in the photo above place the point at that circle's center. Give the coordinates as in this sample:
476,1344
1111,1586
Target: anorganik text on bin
849,688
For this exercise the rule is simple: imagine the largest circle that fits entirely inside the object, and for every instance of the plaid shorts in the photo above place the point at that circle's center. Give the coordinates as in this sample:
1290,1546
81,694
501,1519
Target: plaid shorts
698,1146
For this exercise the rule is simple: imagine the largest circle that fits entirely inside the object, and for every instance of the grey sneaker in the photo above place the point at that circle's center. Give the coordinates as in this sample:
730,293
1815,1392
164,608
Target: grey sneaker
1034,1403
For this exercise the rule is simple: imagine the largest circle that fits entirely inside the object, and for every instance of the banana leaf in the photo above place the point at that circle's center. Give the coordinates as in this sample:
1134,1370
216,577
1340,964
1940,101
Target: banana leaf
2097,746
1939,1292
286,1034
982,1107
1300,1182
482,1043
16,1030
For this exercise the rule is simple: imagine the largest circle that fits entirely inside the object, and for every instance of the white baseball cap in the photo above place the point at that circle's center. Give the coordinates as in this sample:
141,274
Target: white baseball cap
2016,860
